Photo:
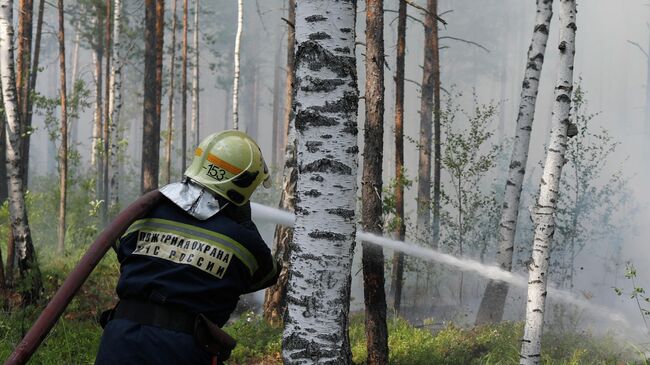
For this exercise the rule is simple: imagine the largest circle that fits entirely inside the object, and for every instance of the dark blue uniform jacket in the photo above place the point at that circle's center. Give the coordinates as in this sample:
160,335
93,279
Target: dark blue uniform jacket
172,258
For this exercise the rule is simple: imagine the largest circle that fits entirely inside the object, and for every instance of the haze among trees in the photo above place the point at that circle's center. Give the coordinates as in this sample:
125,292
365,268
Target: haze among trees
499,147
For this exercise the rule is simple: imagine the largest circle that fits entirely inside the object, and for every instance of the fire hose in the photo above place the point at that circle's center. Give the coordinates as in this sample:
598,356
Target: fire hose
78,276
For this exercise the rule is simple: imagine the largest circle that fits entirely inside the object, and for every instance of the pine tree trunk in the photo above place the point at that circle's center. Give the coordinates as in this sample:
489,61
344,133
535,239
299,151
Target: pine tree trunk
647,93
115,105
3,158
106,135
426,111
195,80
27,263
437,166
371,186
33,75
11,245
184,90
3,285
97,149
63,149
73,81
275,299
493,302
226,109
235,82
291,72
170,107
160,37
151,127
255,101
23,59
318,293
277,98
544,212
400,233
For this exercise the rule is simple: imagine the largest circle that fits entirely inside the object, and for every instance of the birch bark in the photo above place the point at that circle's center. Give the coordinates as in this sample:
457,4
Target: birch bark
493,302
544,212
235,82
275,302
325,109
27,263
115,105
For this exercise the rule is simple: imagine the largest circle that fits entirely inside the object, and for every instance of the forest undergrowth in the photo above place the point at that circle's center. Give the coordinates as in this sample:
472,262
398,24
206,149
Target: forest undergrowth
75,338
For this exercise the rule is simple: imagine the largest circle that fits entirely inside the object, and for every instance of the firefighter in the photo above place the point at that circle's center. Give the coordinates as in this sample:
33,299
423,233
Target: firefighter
184,265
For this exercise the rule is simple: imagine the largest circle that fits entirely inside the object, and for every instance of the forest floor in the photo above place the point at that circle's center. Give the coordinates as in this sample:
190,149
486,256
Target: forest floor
75,338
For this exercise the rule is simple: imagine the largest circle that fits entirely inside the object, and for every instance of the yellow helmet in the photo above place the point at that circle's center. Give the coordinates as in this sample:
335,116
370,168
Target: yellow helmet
230,164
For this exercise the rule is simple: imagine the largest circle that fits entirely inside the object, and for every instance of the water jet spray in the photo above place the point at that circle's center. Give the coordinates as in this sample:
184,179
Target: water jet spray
278,216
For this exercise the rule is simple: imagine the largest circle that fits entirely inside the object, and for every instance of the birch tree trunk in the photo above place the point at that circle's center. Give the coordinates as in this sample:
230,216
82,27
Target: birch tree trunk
152,92
195,80
63,149
235,82
115,105
400,233
170,108
275,299
27,263
496,292
184,90
544,212
318,293
371,186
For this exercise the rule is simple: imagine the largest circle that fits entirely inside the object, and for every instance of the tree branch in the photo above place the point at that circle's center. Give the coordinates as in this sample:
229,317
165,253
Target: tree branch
408,16
639,47
421,8
413,82
466,41
288,22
